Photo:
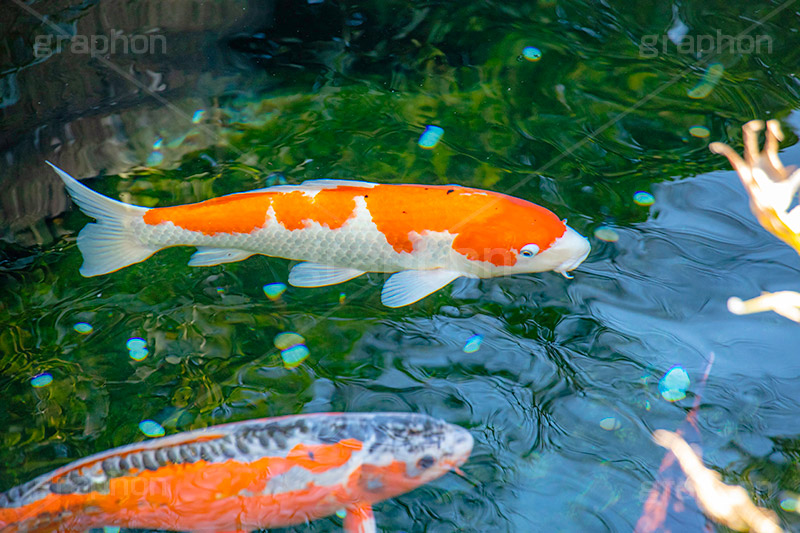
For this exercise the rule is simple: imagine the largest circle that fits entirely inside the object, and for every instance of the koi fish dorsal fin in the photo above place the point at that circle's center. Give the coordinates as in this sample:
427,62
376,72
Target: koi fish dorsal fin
109,244
326,183
162,442
409,286
314,186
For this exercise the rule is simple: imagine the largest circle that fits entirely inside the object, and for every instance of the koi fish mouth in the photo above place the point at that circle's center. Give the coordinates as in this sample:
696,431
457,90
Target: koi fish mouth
572,264
578,248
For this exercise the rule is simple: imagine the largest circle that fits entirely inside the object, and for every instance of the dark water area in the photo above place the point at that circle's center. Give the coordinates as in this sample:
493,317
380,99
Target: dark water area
560,103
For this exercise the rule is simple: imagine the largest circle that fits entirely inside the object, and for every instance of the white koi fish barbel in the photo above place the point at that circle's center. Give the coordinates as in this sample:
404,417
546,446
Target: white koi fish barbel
427,235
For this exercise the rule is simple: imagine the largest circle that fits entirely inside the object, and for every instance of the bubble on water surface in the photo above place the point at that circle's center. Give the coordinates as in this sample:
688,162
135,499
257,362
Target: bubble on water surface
292,347
674,384
139,354
274,290
699,131
789,505
137,348
430,137
531,53
83,328
288,339
610,423
473,344
292,357
135,343
643,198
151,428
604,233
41,380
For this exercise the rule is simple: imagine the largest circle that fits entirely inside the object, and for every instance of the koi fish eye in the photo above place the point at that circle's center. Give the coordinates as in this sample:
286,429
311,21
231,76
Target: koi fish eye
425,462
529,250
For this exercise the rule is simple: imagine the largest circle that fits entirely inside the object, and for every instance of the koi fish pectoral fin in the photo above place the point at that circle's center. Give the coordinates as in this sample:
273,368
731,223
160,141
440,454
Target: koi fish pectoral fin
360,519
317,275
409,286
205,256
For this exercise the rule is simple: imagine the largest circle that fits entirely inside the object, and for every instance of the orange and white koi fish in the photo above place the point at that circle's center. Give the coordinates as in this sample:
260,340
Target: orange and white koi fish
428,235
243,476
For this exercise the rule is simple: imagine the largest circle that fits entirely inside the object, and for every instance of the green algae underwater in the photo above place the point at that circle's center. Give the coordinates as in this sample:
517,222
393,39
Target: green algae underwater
557,380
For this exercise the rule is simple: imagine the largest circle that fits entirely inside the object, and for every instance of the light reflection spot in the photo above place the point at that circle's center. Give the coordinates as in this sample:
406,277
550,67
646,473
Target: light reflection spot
136,343
42,380
604,233
430,137
473,344
83,328
643,198
531,53
287,339
274,290
700,132
674,384
151,428
294,356
610,423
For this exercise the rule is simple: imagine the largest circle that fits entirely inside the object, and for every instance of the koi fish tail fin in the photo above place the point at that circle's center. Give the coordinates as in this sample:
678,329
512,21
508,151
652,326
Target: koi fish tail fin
110,244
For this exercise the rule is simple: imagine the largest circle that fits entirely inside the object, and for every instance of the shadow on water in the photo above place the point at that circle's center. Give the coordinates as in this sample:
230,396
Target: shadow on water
563,390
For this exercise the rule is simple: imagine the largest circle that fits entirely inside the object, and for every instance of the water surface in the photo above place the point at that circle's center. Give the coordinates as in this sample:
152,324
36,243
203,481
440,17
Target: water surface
255,94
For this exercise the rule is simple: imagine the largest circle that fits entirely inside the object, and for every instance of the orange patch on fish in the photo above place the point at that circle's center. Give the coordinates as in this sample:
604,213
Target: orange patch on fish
149,493
378,482
235,213
246,212
487,225
329,207
321,457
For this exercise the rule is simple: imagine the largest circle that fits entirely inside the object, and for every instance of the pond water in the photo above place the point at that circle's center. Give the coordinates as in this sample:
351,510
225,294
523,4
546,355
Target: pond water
558,103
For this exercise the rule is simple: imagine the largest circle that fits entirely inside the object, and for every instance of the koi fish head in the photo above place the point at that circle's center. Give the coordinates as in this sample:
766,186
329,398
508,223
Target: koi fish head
506,235
565,254
405,451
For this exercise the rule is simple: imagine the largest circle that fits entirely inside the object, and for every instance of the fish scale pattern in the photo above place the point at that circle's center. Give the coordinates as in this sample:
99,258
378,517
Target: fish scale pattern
357,244
385,438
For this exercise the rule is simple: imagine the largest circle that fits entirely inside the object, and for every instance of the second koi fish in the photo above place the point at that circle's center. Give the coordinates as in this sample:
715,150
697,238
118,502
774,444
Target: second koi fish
428,235
266,473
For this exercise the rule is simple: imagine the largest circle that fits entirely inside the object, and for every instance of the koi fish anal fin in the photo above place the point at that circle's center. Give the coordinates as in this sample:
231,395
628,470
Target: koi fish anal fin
317,275
360,519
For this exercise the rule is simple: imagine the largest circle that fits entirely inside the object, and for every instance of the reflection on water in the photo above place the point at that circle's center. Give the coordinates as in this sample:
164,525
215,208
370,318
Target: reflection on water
560,393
